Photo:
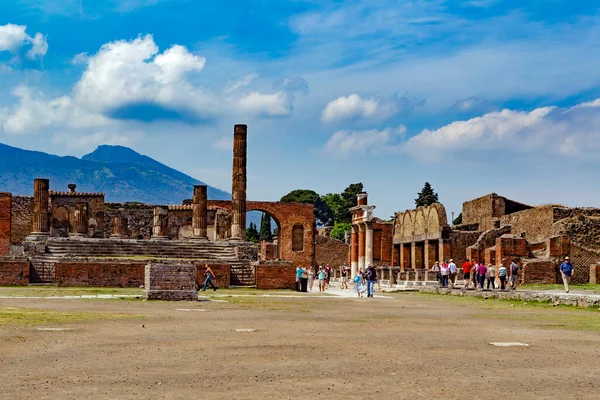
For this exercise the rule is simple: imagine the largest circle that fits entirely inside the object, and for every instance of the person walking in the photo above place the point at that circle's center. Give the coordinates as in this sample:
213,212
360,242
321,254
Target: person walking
359,283
502,273
208,277
327,275
491,276
453,272
566,271
474,273
322,275
514,275
481,270
311,278
444,272
344,274
466,267
371,279
436,268
299,272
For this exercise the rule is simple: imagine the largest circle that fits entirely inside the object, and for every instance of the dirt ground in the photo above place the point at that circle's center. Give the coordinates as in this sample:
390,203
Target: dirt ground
407,346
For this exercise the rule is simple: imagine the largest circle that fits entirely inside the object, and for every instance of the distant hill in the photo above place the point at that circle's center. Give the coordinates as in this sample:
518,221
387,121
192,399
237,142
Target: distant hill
119,172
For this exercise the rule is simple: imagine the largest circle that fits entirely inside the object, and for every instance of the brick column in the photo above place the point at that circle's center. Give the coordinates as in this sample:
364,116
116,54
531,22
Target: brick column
361,247
368,243
41,199
430,253
445,250
200,213
120,228
239,180
80,220
405,251
413,255
159,226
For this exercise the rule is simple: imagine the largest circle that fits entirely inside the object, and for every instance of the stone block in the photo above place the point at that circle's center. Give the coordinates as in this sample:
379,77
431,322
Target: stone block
170,282
275,276
539,272
14,273
509,247
100,274
558,246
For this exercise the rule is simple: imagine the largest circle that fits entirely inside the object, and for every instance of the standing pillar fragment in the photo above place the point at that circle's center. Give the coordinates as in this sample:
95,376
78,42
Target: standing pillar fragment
354,251
120,228
368,243
361,247
80,220
239,181
159,227
41,198
199,223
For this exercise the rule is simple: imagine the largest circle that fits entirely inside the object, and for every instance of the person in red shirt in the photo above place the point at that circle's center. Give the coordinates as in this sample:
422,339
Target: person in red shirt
466,267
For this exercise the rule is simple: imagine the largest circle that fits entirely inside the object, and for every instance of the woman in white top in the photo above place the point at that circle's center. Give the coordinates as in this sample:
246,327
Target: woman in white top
444,272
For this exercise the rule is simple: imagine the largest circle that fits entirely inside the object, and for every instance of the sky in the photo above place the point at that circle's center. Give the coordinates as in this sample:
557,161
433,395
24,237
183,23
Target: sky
474,96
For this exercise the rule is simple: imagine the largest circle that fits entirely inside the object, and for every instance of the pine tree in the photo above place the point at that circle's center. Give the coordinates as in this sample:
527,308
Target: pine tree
265,227
252,233
427,196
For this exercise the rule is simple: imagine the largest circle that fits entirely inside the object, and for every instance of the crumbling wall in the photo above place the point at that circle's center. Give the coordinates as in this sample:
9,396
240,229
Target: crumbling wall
582,229
62,218
100,274
330,251
459,241
140,218
5,223
14,272
535,223
22,218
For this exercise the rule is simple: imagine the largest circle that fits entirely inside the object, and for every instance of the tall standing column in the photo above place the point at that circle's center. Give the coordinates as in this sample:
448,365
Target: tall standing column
354,251
80,220
239,180
41,199
361,247
159,226
368,243
200,213
120,228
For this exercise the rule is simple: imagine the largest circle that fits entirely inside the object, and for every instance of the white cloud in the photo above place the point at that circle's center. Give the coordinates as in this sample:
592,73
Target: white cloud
243,82
344,143
549,130
14,37
270,104
356,107
472,104
225,143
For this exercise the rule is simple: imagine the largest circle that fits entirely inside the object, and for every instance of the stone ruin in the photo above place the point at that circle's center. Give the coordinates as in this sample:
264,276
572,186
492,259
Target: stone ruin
76,238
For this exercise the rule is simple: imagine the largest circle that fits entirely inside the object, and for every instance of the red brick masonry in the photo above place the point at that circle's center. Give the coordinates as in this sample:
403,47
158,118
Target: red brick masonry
222,273
275,276
5,218
110,274
14,273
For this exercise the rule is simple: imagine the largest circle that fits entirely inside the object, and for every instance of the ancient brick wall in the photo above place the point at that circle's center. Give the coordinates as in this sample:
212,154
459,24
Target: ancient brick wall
62,205
14,273
582,229
536,272
5,223
22,218
385,243
536,223
170,282
459,242
222,278
275,276
100,274
582,258
330,251
482,210
509,247
139,216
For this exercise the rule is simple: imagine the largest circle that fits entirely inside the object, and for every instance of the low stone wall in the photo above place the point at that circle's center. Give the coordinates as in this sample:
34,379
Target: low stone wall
14,273
539,272
100,274
222,278
275,276
170,282
525,295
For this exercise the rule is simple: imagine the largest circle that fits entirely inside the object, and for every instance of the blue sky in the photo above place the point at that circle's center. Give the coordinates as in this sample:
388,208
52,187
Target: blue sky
473,96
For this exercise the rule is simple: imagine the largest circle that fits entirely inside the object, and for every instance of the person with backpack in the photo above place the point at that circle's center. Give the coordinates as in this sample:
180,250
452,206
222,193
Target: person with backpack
371,279
566,271
502,273
514,274
359,284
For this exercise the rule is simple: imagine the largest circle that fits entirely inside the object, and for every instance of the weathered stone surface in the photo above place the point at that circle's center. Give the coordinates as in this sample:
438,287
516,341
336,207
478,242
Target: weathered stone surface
170,282
275,275
100,274
540,272
239,182
41,198
5,223
14,273
330,251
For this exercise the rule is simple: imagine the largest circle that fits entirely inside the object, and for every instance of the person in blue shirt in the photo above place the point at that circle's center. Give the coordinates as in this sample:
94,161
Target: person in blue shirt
299,273
567,270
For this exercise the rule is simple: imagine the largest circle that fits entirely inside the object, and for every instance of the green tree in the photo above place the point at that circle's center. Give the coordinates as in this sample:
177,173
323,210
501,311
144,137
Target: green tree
457,220
252,233
265,227
340,203
339,230
426,196
322,212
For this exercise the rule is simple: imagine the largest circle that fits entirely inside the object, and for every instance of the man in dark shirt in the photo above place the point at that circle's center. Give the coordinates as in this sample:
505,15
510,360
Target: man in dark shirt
371,279
566,270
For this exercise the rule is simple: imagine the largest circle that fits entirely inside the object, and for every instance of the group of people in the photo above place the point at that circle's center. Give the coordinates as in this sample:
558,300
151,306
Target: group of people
322,275
477,274
364,281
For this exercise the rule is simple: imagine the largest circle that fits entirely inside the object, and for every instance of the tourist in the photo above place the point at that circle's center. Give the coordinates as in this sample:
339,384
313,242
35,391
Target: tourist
514,275
327,275
299,273
474,272
208,275
567,270
371,278
311,278
491,276
359,283
322,275
453,272
436,268
466,267
444,272
481,270
344,274
502,273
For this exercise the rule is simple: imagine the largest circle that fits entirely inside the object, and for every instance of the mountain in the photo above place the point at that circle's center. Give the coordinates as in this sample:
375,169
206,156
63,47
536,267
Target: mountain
119,172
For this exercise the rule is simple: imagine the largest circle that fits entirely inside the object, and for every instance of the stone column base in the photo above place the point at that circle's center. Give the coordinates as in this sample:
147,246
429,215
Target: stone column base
199,238
37,237
160,238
